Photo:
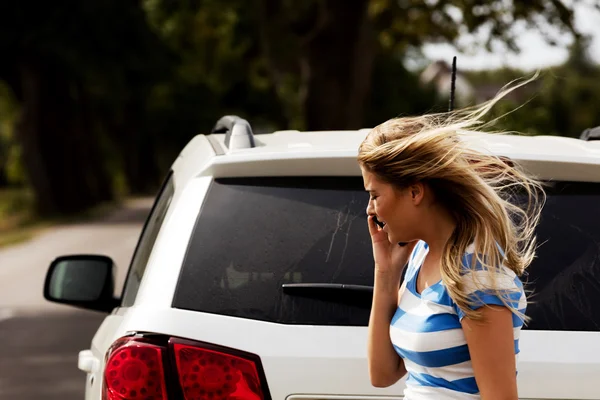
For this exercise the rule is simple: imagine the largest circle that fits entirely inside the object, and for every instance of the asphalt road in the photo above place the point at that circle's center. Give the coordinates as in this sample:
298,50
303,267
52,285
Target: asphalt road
39,341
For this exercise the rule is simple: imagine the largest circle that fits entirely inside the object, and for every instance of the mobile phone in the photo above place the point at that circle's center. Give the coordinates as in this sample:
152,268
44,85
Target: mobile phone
381,225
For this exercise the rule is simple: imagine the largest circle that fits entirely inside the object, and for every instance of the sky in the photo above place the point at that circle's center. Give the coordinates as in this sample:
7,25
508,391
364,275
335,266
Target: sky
535,52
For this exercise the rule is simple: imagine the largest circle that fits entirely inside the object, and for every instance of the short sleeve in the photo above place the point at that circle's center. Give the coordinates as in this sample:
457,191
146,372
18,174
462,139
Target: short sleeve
478,284
416,258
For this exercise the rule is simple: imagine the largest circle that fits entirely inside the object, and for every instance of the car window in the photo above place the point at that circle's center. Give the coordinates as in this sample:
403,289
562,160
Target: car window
254,235
146,241
564,279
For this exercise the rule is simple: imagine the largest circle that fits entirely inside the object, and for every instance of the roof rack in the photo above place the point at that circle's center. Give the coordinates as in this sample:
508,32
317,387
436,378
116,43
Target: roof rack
238,132
591,134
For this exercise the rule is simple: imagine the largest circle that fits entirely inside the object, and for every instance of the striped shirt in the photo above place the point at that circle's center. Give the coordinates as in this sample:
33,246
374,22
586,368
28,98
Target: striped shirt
426,330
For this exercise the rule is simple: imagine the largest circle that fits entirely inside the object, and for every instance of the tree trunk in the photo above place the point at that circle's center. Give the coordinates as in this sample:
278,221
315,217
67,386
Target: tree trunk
137,148
340,59
331,51
141,169
99,181
60,152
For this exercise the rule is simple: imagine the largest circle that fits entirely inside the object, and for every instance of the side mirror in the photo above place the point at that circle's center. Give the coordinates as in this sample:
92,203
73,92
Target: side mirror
84,281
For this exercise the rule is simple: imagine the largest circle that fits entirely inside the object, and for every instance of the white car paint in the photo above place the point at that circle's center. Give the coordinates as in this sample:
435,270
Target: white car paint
323,362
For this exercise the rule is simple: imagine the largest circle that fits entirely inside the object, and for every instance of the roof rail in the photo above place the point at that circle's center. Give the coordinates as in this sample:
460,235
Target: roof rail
238,132
591,134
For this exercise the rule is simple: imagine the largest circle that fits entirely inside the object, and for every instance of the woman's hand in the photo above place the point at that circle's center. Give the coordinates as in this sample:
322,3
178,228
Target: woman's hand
388,257
385,365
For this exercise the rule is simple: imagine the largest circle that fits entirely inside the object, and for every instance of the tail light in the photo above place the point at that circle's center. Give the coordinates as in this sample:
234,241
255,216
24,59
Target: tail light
134,370
140,369
211,374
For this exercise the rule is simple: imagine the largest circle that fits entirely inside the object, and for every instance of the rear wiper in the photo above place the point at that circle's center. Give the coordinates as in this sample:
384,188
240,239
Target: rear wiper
352,295
307,287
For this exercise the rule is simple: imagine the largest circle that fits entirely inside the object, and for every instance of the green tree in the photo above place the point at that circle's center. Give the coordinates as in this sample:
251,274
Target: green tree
396,91
109,87
219,70
10,166
564,101
79,71
574,94
318,56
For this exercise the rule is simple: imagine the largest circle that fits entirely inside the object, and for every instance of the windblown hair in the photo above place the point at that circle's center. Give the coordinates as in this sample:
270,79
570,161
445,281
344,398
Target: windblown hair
478,188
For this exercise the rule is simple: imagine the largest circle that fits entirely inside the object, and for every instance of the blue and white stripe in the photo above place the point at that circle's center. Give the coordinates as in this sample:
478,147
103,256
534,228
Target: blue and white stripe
427,333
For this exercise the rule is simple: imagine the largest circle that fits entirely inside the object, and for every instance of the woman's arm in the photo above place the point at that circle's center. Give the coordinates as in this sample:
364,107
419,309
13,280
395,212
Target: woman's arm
385,365
492,349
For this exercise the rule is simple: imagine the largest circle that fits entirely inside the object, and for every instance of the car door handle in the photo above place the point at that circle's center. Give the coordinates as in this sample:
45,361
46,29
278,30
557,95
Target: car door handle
87,362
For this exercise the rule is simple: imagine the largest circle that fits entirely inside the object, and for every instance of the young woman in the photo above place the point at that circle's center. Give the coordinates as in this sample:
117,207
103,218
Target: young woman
449,214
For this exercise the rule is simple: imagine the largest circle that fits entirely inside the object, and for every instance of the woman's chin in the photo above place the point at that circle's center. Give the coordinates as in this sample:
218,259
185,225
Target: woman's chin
395,239
392,238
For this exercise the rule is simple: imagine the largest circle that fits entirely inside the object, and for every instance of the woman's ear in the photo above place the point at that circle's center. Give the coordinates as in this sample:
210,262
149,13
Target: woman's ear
417,192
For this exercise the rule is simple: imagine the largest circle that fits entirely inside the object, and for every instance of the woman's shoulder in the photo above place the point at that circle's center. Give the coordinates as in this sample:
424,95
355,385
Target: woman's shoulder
475,265
487,284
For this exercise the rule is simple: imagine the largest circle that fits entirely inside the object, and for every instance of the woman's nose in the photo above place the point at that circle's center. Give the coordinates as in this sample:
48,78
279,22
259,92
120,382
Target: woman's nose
370,208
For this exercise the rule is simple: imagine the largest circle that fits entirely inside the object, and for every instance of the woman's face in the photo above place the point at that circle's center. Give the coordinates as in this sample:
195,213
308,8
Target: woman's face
397,208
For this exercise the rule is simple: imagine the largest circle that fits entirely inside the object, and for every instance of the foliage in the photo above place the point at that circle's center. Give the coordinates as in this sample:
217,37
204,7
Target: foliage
564,102
320,54
80,73
108,91
11,168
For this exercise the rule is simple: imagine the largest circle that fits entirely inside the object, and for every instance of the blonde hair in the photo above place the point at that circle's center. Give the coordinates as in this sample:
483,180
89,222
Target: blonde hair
477,188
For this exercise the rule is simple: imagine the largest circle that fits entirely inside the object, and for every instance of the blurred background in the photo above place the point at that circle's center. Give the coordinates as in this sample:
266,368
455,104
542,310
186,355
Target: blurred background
98,97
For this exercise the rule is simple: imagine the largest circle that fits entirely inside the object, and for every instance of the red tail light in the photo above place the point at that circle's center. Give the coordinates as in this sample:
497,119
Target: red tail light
134,370
206,374
143,368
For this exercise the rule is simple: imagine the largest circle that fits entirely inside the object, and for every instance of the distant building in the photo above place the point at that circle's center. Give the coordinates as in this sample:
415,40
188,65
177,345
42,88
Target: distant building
439,74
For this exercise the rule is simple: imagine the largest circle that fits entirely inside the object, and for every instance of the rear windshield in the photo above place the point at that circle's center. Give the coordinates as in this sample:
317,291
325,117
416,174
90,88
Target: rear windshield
254,235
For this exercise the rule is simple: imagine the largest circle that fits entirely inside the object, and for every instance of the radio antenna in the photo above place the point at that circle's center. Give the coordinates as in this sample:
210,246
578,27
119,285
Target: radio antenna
453,84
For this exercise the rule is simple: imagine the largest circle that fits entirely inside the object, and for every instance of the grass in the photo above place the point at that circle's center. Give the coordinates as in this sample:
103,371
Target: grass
20,234
18,222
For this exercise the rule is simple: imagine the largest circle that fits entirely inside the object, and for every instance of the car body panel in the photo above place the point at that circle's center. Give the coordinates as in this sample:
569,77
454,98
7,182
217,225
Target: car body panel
328,362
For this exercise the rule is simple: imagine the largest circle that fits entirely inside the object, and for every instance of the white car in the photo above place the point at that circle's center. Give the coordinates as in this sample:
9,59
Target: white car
252,278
